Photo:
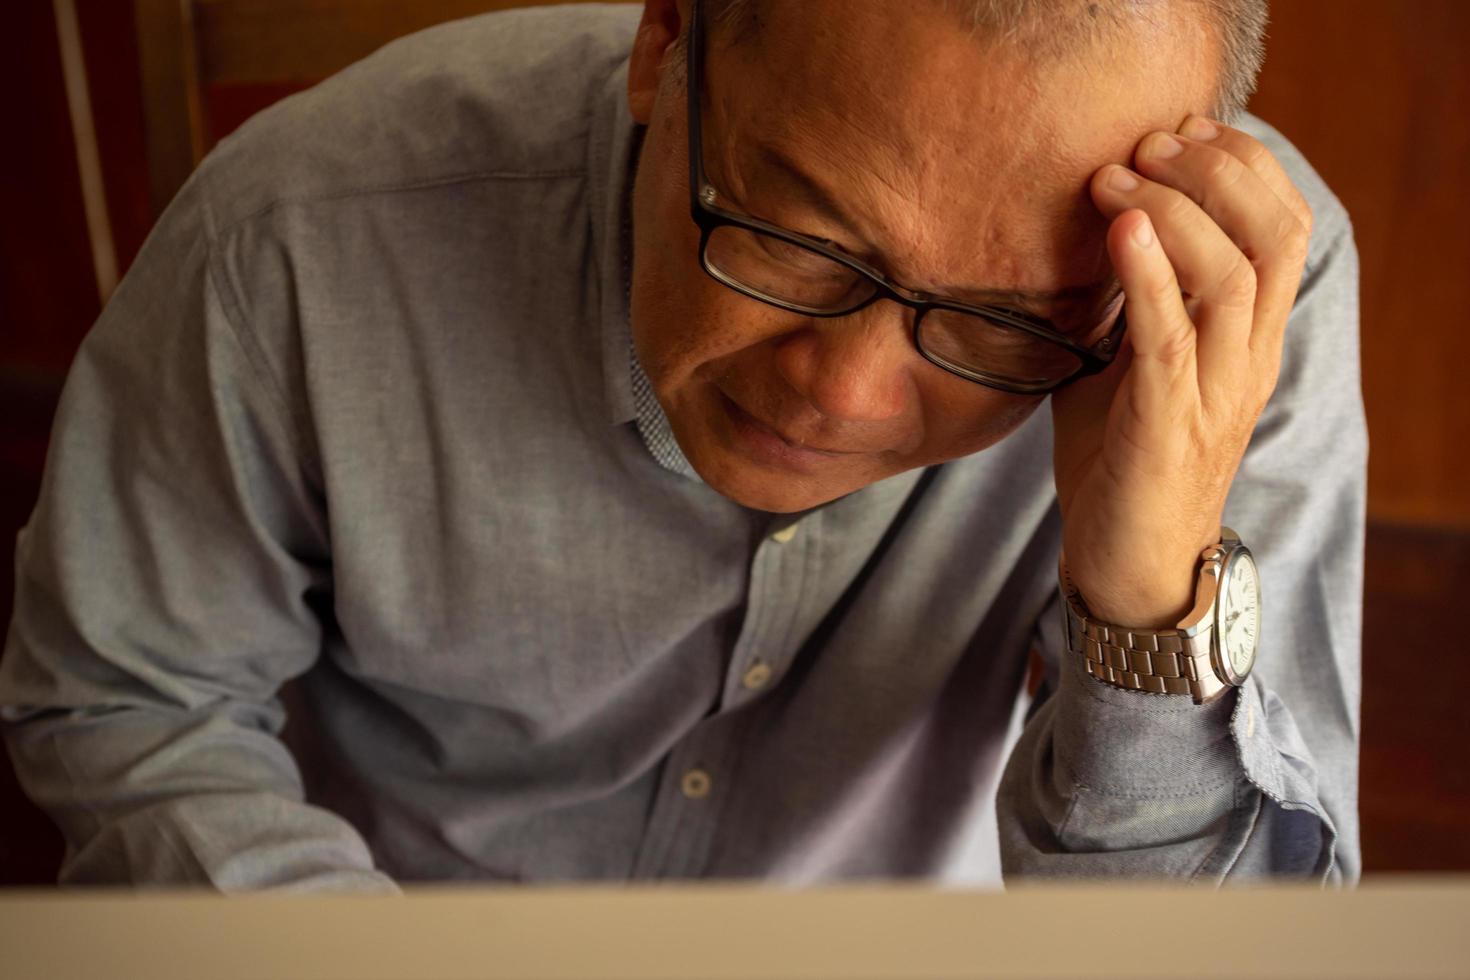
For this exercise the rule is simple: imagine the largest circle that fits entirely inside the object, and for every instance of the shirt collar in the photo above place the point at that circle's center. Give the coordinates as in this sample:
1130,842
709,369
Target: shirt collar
613,151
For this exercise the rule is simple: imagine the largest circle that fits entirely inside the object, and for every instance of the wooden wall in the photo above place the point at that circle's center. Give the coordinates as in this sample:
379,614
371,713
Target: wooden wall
1376,93
1373,92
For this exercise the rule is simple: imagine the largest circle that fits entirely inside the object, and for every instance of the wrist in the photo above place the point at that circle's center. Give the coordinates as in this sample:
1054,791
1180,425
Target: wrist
1177,654
1158,605
1158,595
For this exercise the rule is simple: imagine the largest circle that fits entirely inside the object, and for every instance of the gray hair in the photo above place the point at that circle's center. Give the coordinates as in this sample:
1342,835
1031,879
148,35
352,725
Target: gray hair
1049,28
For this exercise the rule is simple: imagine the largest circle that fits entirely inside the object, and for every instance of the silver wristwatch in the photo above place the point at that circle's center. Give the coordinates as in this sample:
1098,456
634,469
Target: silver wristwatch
1209,652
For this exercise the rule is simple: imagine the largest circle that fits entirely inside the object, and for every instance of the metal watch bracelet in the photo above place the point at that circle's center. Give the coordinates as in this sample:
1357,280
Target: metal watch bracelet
1151,661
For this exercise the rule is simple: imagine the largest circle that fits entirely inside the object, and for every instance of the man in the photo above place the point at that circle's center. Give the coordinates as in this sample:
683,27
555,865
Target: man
613,544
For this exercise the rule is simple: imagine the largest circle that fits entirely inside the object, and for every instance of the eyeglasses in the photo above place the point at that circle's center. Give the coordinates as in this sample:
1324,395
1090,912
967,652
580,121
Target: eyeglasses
1006,349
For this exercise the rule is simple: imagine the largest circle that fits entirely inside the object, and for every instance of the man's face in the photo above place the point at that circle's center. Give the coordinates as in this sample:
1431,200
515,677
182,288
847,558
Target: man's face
892,132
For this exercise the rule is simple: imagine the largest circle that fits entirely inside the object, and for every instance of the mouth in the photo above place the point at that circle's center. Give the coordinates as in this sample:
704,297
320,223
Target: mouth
768,444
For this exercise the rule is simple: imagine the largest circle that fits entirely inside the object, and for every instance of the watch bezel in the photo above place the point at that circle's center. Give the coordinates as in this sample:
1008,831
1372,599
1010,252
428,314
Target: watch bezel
1219,656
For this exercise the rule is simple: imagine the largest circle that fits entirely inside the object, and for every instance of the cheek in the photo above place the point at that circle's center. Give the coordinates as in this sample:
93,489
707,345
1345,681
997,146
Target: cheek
666,298
664,295
960,423
685,324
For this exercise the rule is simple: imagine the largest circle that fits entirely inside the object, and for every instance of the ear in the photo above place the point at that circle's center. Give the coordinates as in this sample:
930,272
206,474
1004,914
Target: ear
663,22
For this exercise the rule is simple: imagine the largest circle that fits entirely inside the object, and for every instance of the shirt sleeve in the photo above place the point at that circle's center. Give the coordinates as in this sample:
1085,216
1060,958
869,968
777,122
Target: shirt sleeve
167,585
1105,782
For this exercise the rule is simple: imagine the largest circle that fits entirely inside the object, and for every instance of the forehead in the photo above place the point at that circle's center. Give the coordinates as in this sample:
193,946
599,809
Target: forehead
958,156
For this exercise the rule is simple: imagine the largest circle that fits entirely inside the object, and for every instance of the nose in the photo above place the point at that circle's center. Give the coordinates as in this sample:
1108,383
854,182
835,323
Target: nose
852,368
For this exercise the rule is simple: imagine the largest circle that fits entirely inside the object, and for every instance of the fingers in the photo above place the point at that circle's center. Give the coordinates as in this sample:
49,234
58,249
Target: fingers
1233,229
1243,188
1218,278
1253,154
1210,265
1160,335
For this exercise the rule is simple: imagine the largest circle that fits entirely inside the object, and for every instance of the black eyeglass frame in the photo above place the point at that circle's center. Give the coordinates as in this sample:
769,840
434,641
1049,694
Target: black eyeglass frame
709,217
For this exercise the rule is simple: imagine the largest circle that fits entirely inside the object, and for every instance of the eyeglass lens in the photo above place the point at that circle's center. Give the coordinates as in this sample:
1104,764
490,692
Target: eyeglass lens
775,270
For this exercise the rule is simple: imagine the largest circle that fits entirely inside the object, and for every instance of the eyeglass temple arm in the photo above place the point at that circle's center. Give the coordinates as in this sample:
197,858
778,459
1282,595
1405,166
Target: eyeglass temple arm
694,70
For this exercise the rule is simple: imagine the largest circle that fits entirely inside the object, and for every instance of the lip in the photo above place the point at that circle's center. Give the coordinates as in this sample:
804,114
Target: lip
766,443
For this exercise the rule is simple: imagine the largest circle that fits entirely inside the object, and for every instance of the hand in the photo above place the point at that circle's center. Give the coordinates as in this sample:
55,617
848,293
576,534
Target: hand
1209,246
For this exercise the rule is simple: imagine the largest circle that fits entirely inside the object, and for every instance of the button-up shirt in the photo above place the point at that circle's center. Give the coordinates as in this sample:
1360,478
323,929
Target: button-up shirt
364,417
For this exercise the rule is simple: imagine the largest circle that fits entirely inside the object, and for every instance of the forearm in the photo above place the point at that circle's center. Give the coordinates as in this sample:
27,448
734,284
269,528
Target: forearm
1290,739
164,591
1112,783
161,795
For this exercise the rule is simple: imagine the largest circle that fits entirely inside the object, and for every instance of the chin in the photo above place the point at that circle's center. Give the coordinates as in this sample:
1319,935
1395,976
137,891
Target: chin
757,471
777,491
762,493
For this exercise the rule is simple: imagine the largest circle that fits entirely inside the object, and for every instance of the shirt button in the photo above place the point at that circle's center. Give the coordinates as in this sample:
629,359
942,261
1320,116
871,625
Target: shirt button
755,678
695,784
785,534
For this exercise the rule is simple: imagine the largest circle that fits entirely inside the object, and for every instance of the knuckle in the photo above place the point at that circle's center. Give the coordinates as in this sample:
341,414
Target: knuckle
1163,290
1265,367
1179,209
1298,246
1220,167
1176,345
1223,175
1237,285
1305,216
1268,376
1293,238
1254,153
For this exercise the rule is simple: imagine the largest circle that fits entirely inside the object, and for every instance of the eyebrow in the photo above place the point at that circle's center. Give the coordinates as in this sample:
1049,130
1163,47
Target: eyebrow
823,201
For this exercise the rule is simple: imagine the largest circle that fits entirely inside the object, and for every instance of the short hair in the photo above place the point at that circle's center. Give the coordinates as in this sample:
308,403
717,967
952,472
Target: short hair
1054,29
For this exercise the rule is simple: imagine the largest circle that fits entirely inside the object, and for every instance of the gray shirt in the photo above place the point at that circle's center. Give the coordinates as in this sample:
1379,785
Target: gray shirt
364,414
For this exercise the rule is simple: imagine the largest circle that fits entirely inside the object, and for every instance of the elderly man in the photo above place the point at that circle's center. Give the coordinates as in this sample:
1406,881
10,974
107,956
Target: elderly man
658,464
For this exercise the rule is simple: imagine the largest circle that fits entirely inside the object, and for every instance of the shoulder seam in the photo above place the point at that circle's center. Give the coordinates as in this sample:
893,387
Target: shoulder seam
307,452
234,313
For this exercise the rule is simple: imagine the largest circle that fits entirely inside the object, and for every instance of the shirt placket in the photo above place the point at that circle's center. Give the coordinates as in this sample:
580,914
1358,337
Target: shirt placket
699,774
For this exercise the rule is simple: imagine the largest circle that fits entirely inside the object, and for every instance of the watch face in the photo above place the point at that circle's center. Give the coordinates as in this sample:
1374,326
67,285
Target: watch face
1238,628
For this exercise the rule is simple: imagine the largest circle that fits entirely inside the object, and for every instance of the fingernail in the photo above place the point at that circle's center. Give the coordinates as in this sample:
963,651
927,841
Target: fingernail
1199,128
1121,180
1143,233
1163,146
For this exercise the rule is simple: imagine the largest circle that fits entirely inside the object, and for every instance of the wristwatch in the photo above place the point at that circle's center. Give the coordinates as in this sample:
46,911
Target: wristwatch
1211,650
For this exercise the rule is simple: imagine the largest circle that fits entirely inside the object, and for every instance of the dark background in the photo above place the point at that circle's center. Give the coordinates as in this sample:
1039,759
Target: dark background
1374,93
